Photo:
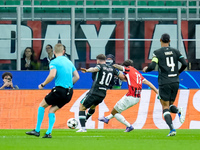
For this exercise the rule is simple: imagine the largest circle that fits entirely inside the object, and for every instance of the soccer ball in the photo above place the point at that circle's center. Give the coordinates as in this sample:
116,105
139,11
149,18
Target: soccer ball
72,123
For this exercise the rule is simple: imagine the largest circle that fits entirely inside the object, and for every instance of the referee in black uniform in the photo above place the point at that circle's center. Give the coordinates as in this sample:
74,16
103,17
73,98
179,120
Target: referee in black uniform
102,81
167,59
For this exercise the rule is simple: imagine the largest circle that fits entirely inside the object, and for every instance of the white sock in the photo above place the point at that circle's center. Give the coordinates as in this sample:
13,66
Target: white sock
121,119
109,116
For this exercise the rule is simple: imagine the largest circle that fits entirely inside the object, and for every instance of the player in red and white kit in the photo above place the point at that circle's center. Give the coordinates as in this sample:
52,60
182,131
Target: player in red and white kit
134,80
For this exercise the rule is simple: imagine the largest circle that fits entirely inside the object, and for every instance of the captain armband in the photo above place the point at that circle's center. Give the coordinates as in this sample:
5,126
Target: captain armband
155,59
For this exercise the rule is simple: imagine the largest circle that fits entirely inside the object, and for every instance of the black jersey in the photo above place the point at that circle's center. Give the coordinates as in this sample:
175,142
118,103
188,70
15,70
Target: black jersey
103,79
168,59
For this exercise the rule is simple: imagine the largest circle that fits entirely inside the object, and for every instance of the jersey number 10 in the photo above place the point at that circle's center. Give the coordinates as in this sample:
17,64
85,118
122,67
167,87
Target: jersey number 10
106,78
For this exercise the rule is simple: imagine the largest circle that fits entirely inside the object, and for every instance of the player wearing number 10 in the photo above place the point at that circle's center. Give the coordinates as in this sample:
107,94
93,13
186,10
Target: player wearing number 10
102,81
167,59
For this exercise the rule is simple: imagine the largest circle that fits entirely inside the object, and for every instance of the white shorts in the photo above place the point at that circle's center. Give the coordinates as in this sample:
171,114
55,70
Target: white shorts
125,102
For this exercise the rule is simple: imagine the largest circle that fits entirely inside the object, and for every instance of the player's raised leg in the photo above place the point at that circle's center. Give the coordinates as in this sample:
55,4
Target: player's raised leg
181,115
179,111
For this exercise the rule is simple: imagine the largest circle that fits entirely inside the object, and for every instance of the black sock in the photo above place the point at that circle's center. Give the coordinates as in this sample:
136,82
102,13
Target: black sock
90,113
82,118
173,109
168,118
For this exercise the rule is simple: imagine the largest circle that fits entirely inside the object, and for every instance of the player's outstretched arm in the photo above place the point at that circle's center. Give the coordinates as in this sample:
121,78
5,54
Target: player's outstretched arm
76,76
49,78
150,85
91,69
119,67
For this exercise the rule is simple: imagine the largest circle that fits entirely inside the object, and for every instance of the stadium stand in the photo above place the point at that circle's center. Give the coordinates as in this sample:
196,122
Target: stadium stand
104,10
157,3
100,3
192,3
143,10
50,10
12,9
175,3
66,3
2,9
132,10
28,9
122,3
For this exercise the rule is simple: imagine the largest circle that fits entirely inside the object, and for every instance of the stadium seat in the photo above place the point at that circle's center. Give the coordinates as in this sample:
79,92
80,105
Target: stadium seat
102,10
157,3
12,9
143,10
67,3
28,9
88,9
174,3
79,9
192,3
50,10
119,3
132,3
2,9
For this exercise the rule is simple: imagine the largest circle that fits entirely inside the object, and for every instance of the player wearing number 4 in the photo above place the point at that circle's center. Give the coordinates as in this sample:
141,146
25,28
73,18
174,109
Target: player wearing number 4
167,59
104,75
134,80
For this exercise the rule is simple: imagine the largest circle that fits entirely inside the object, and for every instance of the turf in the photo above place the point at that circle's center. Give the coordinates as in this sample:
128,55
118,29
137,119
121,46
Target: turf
101,139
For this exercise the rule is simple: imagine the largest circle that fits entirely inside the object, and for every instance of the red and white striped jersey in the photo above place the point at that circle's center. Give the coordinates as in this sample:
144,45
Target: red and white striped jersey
134,80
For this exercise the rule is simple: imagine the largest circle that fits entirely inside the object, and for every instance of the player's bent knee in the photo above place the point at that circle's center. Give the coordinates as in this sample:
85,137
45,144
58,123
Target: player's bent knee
82,107
43,104
53,109
114,111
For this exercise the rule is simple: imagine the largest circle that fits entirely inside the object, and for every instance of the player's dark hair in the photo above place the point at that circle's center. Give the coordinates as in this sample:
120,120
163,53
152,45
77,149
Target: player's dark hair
101,57
127,63
165,38
6,74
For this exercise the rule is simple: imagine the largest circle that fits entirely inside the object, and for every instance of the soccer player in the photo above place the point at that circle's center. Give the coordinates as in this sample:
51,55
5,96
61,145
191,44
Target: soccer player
97,93
117,83
134,80
167,59
66,75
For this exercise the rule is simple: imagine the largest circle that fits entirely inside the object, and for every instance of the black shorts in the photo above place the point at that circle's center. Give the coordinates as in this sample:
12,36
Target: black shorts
90,100
168,92
59,96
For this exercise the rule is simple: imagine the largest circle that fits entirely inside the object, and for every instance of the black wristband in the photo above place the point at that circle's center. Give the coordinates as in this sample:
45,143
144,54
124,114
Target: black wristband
42,85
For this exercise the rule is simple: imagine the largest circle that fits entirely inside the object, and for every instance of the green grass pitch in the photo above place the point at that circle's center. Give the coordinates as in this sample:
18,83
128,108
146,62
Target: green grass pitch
101,139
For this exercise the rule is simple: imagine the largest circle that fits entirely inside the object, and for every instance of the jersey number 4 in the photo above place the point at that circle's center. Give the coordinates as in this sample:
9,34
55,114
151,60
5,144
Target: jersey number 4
170,62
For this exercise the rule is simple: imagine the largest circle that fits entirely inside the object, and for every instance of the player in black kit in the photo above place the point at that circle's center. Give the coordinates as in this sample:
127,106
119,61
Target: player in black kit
104,76
167,59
